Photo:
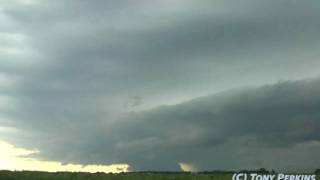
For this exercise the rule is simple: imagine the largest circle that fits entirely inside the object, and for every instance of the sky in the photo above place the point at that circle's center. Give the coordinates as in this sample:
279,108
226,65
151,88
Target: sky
166,85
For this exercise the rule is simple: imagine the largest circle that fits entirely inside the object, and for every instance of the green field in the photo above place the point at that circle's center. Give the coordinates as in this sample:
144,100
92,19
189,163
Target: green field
27,175
30,175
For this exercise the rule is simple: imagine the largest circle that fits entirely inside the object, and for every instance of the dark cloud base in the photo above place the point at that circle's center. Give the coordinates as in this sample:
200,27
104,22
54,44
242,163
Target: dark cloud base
241,128
273,126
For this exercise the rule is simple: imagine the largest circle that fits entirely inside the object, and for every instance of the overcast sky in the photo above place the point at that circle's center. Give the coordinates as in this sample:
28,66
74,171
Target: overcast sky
230,84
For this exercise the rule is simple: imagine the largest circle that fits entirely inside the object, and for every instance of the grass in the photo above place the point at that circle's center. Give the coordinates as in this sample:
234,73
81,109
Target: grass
33,175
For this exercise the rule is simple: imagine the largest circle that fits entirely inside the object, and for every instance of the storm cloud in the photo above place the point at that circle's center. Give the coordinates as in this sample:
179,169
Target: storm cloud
219,85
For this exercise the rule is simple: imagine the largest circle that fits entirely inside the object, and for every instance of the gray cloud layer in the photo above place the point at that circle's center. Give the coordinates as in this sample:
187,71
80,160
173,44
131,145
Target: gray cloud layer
273,126
82,81
235,129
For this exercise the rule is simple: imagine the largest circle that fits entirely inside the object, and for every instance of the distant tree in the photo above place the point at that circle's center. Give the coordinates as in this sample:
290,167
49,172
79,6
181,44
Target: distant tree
317,171
263,171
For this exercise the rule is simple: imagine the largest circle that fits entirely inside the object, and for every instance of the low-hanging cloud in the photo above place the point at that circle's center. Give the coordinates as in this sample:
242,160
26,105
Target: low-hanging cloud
241,128
234,127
